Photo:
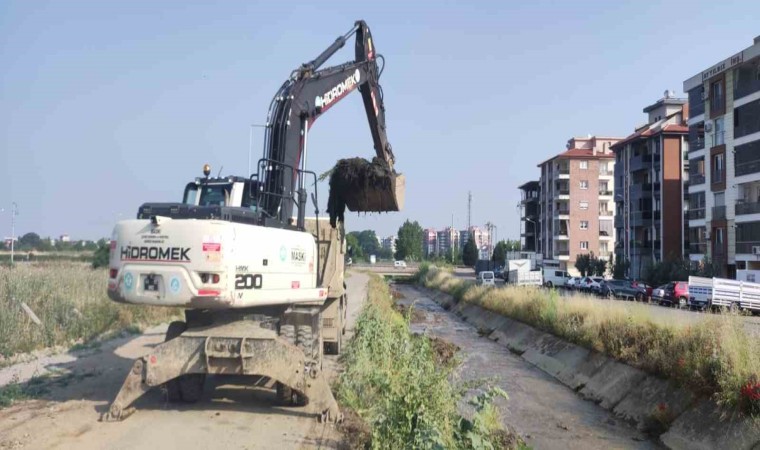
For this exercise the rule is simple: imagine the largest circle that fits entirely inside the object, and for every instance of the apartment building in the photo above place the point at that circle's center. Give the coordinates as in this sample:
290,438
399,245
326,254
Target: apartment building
576,208
530,194
428,242
724,164
481,240
447,240
651,169
389,243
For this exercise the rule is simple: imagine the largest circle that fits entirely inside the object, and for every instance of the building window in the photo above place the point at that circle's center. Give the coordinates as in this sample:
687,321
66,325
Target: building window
718,168
584,184
584,224
584,165
583,205
719,132
584,245
718,97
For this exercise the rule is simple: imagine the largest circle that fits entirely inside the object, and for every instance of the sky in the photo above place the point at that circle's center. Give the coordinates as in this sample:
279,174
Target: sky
106,105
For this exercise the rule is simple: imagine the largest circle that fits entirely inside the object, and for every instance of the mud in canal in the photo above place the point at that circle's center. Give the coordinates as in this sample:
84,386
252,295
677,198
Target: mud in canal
544,412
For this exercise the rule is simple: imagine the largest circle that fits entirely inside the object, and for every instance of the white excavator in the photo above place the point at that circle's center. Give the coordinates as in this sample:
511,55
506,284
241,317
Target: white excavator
262,285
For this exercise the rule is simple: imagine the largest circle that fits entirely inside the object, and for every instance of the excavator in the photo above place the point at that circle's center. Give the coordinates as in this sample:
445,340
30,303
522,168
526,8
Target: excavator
261,284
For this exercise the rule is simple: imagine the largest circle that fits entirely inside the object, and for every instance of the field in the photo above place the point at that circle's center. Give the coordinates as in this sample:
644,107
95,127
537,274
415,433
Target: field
714,357
70,300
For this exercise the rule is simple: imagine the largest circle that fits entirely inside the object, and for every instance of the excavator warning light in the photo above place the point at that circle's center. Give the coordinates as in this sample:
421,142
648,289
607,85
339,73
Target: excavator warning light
206,170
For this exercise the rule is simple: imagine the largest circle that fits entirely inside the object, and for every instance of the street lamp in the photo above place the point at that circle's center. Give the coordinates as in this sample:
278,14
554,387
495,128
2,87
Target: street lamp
14,213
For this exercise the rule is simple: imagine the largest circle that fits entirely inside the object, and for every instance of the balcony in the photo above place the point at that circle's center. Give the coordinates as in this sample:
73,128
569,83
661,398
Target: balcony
562,212
640,162
562,252
747,168
699,248
718,176
563,170
565,191
718,212
605,192
697,178
746,246
747,208
697,144
717,138
605,213
696,214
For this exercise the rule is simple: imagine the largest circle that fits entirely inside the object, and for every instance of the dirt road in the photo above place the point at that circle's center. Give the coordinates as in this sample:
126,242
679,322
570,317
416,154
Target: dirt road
546,413
229,416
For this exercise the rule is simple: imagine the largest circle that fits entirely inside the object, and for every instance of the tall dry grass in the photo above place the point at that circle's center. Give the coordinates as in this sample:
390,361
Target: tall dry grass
713,356
70,300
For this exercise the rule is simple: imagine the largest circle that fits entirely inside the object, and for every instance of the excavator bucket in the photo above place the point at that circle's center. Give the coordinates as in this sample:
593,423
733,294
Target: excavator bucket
364,186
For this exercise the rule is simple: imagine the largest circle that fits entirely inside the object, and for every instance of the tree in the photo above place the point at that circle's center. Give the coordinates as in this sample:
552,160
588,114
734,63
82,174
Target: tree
513,246
470,254
30,241
101,256
409,241
2,245
352,244
500,252
619,268
599,267
583,264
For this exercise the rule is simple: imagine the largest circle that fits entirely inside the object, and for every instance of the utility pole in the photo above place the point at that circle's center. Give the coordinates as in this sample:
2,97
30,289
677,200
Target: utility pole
14,212
469,210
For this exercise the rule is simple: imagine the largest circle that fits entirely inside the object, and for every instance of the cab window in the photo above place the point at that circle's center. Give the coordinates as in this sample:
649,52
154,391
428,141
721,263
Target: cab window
191,194
215,195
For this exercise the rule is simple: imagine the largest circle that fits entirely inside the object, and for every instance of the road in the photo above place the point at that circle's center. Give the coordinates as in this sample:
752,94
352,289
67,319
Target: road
229,416
545,412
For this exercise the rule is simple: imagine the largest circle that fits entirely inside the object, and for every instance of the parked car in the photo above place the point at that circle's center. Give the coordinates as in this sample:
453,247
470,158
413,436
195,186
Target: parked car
645,289
676,294
618,289
658,294
572,283
486,278
591,284
399,264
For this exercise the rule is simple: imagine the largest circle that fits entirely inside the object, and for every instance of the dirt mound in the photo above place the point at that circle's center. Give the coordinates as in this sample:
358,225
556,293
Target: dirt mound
444,350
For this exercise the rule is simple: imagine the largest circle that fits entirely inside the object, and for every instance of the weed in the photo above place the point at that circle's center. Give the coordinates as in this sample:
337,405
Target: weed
70,300
715,356
396,384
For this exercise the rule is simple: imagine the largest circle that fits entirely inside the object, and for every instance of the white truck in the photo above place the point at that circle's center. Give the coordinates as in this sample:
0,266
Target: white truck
525,278
716,292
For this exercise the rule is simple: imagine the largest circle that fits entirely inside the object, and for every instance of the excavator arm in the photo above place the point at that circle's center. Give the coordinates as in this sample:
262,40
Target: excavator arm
307,95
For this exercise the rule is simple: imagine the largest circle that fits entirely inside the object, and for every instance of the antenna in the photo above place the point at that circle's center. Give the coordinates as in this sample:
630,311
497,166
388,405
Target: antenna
220,171
469,210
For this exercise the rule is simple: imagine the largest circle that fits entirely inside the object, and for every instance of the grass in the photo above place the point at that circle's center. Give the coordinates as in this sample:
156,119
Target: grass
402,391
70,299
714,356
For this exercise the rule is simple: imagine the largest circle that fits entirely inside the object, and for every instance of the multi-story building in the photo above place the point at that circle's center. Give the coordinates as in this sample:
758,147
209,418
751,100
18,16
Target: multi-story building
447,240
530,193
481,240
576,203
428,242
651,170
724,164
389,243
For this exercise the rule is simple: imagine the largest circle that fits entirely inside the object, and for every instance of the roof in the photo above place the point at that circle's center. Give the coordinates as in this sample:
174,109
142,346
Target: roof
580,153
653,130
529,185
